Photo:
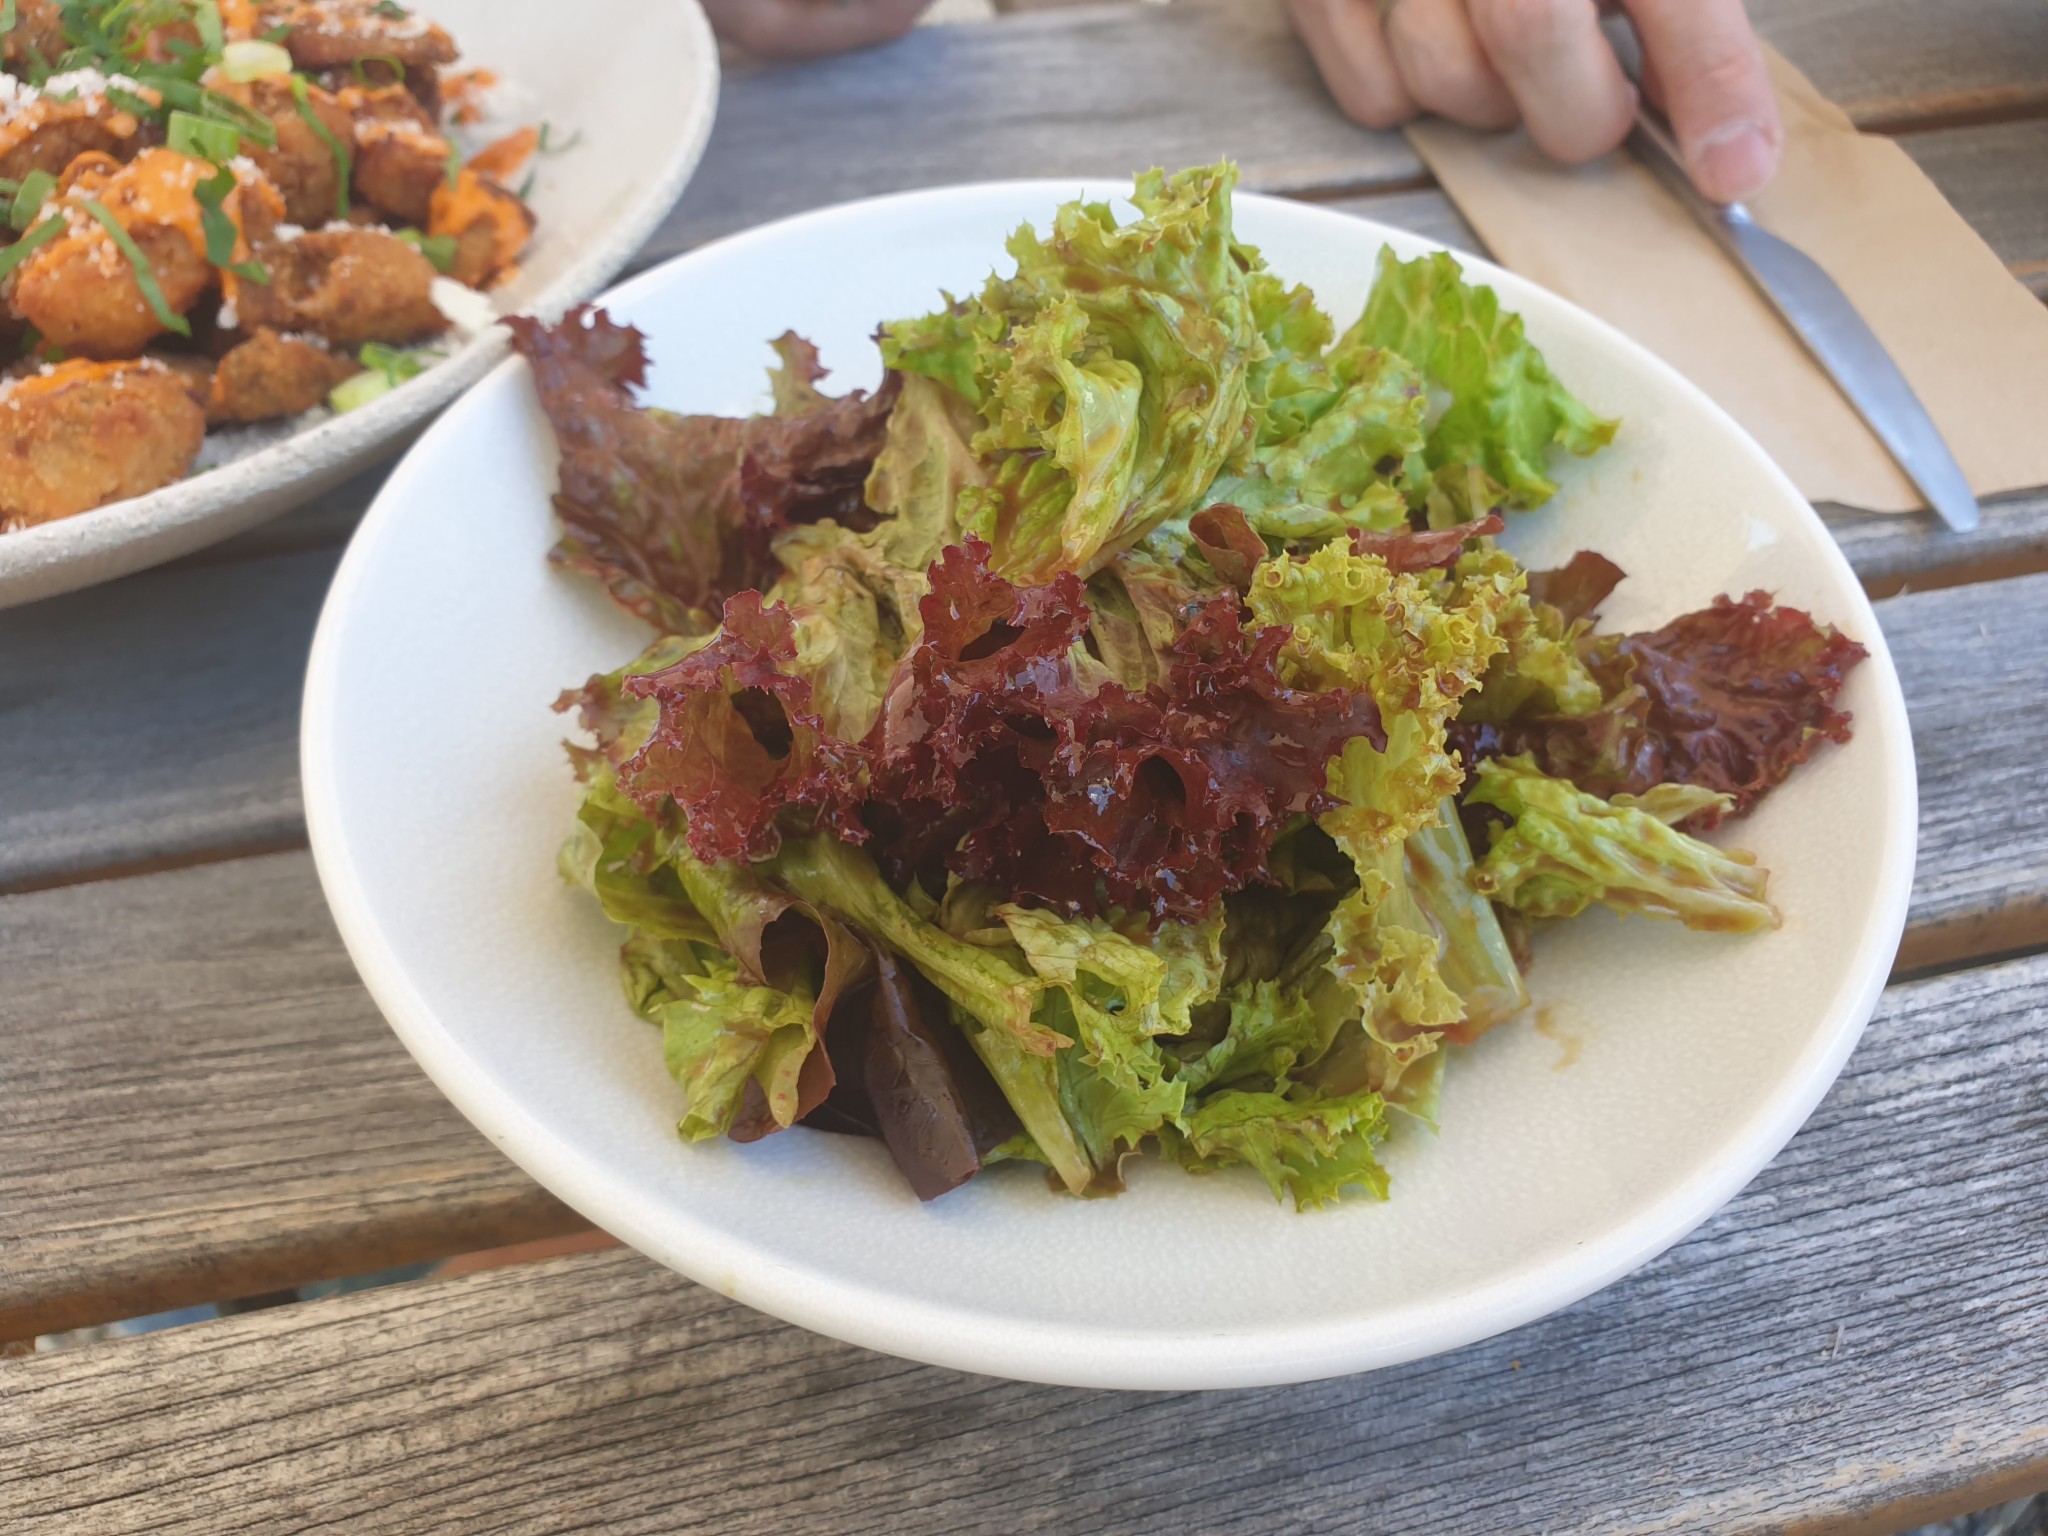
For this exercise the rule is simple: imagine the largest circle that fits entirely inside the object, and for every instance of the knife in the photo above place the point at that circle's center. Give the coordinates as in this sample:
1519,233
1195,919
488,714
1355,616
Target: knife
1813,306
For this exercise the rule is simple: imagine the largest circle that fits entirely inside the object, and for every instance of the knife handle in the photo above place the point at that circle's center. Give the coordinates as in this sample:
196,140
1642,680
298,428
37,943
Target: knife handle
1657,146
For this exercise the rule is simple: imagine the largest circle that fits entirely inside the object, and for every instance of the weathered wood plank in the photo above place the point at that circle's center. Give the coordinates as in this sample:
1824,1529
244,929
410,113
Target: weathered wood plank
1904,64
1997,178
155,720
1896,553
1982,882
1892,63
155,717
1859,1341
200,1101
1097,90
260,1050
1107,89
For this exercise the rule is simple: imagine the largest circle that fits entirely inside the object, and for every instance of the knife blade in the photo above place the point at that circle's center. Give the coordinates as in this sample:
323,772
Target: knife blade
1813,306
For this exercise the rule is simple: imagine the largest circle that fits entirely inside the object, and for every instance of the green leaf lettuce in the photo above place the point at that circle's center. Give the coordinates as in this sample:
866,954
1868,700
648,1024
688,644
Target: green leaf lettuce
1568,849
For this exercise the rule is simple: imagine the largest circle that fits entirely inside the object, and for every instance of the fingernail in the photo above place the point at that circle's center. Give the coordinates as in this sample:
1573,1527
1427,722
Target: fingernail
1733,160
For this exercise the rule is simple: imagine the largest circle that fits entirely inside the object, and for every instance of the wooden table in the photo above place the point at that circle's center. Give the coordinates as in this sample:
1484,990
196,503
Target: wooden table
198,1100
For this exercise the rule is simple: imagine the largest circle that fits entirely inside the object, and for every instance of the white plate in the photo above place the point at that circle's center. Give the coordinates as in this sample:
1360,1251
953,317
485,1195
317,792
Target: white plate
1671,1066
639,80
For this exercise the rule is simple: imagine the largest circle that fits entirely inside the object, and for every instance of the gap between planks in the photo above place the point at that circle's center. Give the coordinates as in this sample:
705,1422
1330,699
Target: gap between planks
1852,1344
245,983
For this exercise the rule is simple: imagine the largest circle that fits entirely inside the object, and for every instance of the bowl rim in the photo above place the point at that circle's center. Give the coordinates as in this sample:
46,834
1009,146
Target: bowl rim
1073,1354
82,550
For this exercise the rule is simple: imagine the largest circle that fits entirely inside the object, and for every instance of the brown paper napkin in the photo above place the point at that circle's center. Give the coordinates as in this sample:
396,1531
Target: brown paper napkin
1971,339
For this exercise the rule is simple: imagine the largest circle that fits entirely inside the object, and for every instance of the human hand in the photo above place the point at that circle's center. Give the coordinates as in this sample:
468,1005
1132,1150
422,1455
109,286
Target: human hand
1544,63
803,29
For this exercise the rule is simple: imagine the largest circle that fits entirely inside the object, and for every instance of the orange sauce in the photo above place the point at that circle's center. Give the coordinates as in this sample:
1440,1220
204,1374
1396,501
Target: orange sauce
502,160
156,188
43,111
473,199
238,18
77,370
153,189
462,93
372,130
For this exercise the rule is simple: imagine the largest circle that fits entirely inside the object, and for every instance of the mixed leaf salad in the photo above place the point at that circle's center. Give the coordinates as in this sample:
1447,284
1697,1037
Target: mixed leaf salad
1120,731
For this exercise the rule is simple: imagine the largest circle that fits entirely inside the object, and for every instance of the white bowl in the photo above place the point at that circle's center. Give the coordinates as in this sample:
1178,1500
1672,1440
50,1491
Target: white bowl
1661,1071
638,79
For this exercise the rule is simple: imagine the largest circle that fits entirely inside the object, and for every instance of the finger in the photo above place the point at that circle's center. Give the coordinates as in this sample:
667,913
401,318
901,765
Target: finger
801,29
1717,92
1443,66
1562,74
1351,52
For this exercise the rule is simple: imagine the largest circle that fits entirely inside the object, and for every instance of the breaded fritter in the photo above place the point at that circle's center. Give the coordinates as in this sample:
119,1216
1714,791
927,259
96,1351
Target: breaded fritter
81,291
347,286
82,434
301,165
489,224
42,133
326,34
275,375
38,34
191,370
399,157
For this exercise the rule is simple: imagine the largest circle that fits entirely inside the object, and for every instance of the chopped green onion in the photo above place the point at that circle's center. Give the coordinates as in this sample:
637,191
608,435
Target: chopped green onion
279,33
385,368
397,67
28,200
391,10
395,365
358,390
558,149
6,17
220,230
206,17
14,255
342,164
128,101
253,126
525,192
250,59
439,249
201,102
454,164
204,138
145,274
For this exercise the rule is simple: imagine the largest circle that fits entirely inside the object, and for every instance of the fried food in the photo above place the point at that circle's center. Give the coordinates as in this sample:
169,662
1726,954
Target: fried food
275,375
82,434
301,164
488,222
229,203
192,371
325,34
42,131
347,286
82,291
38,34
399,158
